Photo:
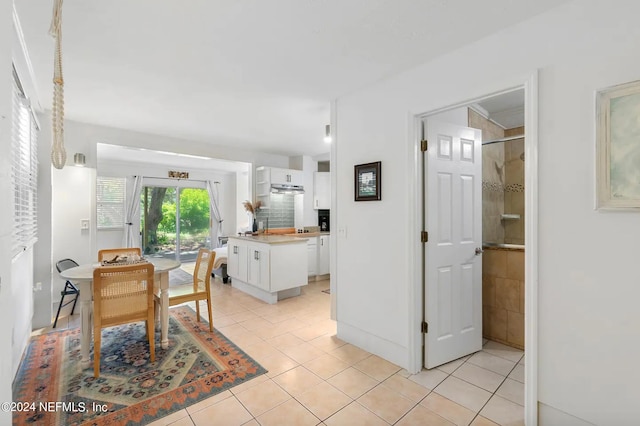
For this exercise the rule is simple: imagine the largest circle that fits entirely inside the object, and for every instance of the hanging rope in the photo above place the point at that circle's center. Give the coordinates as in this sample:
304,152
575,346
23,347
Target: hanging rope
58,153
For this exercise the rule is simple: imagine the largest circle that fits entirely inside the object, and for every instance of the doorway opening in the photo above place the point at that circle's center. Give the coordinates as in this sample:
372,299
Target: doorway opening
507,188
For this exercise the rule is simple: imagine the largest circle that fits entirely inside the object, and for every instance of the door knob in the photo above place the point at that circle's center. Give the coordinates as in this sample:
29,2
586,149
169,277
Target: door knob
479,251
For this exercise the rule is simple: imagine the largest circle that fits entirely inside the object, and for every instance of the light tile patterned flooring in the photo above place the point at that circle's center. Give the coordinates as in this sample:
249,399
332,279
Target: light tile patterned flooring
315,378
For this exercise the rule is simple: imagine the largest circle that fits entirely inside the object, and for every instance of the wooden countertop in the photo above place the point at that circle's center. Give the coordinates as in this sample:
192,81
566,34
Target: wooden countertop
269,239
308,234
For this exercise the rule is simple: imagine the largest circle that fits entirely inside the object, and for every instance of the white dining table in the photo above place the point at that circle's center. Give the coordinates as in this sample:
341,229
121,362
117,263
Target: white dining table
82,276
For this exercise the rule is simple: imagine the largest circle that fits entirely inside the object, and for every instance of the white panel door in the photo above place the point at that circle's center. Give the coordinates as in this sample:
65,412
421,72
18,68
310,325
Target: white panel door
453,219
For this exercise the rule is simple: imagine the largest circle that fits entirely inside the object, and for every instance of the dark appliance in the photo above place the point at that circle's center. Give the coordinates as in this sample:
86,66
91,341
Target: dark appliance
323,220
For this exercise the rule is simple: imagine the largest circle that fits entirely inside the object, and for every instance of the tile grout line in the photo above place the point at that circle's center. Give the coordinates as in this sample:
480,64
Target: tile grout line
494,393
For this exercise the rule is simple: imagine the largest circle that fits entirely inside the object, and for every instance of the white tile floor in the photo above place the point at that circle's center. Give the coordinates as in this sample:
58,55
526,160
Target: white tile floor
315,378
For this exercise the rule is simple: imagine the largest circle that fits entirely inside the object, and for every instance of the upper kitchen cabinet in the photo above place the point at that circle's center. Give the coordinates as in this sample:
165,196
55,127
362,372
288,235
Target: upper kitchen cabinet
273,179
322,190
286,177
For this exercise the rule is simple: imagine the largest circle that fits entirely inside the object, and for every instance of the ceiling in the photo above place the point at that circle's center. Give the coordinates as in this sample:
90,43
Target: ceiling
124,154
506,110
254,74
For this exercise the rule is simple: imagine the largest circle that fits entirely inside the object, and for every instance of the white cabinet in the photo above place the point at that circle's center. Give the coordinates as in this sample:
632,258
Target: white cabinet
237,259
267,176
269,272
286,177
322,190
258,266
323,254
312,256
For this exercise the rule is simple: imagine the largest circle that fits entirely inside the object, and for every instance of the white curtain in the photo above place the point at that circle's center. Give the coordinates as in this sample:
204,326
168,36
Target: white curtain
216,219
131,212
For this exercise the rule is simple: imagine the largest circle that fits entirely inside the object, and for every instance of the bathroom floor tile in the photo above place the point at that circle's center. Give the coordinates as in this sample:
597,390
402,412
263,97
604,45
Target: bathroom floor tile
503,412
491,362
485,379
503,351
463,393
512,390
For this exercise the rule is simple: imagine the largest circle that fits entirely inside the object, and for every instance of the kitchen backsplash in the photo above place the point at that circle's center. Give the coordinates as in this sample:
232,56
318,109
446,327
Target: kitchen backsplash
280,213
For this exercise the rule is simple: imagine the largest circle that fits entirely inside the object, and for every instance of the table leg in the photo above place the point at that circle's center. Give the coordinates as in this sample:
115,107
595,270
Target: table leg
85,327
164,309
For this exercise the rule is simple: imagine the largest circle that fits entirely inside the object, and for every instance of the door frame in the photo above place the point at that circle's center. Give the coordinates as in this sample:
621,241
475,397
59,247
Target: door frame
415,249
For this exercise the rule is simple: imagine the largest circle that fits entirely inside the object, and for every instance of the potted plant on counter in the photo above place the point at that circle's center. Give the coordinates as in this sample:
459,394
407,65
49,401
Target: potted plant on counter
252,210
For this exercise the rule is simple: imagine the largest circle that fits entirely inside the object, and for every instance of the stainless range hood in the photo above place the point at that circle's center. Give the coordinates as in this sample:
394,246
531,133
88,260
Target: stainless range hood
287,189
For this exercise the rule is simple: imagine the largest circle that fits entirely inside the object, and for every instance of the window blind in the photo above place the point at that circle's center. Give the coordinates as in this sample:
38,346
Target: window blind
110,195
24,170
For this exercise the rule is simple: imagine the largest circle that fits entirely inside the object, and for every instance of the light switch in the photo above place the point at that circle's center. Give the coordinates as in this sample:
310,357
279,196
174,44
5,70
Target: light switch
342,232
84,224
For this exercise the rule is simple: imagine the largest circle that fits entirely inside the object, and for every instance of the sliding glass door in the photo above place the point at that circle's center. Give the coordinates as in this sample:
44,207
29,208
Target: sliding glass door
175,221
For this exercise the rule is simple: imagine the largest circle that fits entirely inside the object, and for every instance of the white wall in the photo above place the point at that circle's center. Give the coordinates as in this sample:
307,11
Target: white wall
6,209
308,165
22,300
588,279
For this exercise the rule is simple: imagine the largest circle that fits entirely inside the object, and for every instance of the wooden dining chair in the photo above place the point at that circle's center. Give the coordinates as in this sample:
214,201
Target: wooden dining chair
110,254
200,289
122,294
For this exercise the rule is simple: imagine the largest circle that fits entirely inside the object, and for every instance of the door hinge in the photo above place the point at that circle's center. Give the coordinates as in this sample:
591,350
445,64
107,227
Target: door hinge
424,236
425,327
423,145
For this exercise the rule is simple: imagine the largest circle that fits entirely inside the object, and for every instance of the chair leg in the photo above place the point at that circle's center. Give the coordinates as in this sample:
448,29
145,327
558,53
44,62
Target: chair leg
97,336
152,338
55,323
198,310
210,314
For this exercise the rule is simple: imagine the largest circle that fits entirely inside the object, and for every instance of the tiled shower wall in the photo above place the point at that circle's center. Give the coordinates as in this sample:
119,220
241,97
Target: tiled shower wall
503,296
281,212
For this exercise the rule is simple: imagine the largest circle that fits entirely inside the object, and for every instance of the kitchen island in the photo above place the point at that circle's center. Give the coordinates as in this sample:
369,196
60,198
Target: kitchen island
269,267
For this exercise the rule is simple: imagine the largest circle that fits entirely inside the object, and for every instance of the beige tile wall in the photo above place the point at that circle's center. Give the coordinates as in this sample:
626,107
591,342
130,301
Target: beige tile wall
503,296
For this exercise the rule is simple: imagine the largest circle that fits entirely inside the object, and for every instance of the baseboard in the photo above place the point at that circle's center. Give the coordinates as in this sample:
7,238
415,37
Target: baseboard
314,278
547,415
390,351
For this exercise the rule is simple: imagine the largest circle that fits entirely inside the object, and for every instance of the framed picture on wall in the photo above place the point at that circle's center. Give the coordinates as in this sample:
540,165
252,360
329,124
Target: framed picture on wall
618,147
367,179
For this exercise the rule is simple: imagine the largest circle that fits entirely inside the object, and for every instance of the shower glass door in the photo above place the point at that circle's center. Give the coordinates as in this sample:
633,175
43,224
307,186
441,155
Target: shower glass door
174,221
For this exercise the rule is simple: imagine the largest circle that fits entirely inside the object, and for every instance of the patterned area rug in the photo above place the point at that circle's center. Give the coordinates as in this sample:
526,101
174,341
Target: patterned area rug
130,390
